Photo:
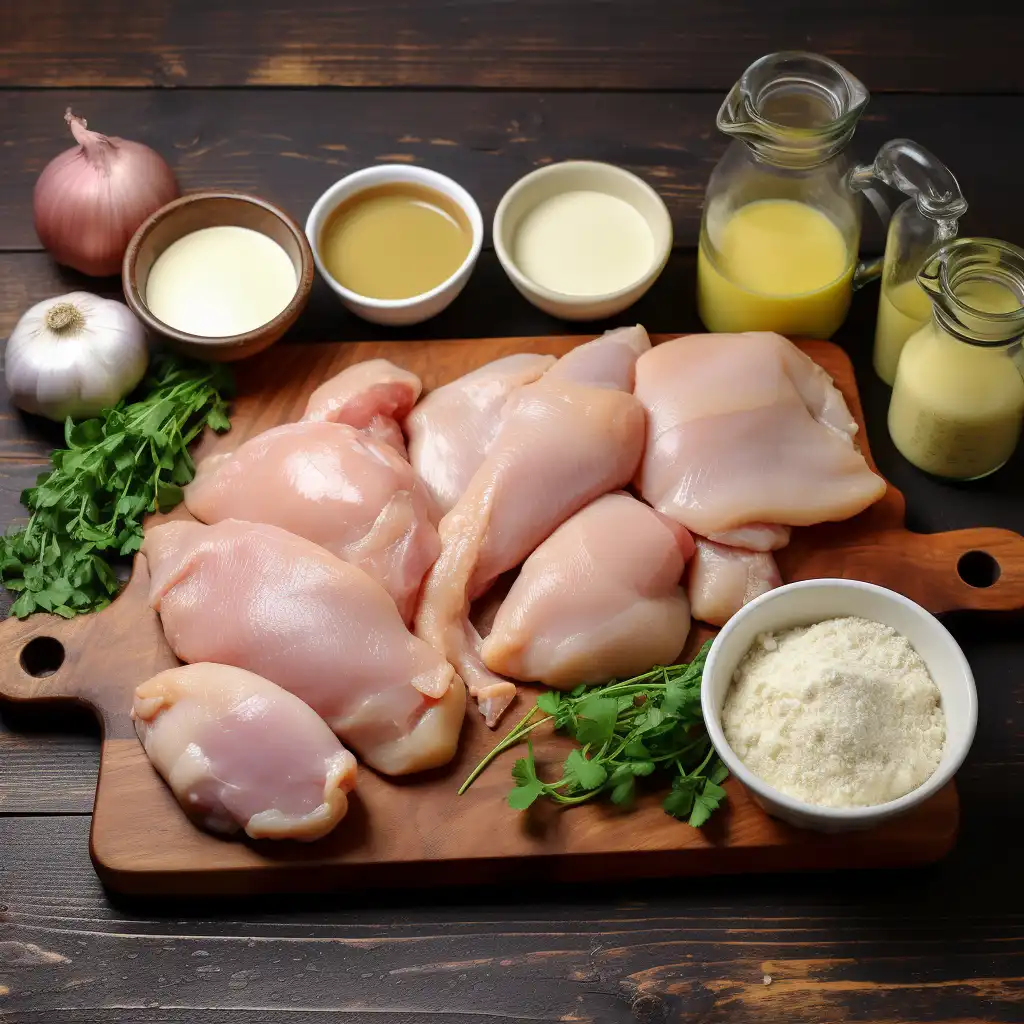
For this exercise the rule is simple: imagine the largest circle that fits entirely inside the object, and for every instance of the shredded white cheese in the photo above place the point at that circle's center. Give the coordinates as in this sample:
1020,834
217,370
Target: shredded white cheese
839,714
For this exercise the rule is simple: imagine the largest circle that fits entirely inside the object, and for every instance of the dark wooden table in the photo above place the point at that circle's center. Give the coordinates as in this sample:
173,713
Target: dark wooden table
283,98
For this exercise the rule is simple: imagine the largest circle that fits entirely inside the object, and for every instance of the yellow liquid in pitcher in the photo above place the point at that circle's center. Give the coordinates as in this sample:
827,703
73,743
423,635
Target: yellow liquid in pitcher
956,408
781,266
903,309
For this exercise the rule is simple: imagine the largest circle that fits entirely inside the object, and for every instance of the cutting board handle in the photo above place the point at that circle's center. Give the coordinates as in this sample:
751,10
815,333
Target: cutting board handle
45,657
970,570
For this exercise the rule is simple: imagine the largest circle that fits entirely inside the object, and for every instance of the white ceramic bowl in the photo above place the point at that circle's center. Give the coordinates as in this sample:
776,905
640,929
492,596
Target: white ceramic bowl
572,175
418,308
810,601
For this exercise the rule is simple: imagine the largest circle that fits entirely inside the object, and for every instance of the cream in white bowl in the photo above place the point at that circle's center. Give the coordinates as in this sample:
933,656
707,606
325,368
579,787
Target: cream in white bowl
814,601
415,308
582,240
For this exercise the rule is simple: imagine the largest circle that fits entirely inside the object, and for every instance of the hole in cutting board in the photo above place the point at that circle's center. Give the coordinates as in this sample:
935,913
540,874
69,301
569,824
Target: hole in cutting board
978,569
42,656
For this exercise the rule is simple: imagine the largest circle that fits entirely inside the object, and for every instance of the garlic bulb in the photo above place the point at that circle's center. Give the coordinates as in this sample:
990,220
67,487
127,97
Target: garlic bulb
74,355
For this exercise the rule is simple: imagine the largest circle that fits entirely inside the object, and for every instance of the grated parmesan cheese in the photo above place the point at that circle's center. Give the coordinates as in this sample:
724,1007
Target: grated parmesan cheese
839,714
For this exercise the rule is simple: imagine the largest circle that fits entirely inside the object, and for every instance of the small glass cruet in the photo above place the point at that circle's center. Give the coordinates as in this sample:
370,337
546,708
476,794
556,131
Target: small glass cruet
918,227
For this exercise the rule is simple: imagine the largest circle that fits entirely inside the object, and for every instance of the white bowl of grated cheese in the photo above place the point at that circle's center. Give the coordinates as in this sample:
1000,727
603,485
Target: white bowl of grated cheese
838,704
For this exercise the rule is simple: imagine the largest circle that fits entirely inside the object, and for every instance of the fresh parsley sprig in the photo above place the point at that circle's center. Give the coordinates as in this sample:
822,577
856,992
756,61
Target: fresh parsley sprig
131,460
625,730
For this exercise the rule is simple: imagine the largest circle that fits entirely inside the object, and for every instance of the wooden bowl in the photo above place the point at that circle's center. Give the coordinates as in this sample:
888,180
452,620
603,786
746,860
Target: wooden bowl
205,210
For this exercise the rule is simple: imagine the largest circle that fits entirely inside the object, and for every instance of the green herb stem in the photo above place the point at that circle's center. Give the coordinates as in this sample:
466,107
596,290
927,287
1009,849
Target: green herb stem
515,735
624,730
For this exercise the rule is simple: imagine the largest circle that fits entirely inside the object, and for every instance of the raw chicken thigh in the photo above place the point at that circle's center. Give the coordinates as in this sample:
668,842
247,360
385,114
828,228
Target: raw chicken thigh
746,429
262,599
564,440
599,599
374,396
723,579
331,484
452,427
240,752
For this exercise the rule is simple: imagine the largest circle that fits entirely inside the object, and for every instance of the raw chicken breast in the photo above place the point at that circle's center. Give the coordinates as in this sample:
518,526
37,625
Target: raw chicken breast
451,429
600,599
746,429
562,443
262,599
374,396
722,580
331,484
240,752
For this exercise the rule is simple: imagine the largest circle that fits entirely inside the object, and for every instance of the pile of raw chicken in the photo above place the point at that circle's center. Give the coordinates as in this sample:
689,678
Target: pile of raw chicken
352,575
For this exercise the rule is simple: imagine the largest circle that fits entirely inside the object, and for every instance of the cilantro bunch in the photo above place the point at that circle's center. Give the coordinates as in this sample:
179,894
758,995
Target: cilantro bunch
625,730
131,460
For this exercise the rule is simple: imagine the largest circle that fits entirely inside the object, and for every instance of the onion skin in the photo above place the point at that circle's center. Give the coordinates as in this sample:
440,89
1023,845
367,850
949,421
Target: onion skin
89,200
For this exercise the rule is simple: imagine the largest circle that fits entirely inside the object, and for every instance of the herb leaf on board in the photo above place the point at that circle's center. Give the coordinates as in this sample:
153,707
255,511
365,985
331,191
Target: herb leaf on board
117,468
626,729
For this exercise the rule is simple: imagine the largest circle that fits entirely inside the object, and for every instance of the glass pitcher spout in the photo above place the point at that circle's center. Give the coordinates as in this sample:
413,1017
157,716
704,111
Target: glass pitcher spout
793,108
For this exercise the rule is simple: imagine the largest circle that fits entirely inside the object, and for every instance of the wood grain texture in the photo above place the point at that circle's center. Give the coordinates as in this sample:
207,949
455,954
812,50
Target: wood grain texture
536,44
939,945
49,760
421,826
288,146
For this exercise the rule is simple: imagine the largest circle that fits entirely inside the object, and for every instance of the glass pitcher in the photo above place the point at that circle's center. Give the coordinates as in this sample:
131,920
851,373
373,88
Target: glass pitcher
958,400
781,224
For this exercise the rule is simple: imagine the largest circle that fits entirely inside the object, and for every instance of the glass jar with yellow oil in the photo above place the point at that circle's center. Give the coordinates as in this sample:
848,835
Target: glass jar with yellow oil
958,399
781,224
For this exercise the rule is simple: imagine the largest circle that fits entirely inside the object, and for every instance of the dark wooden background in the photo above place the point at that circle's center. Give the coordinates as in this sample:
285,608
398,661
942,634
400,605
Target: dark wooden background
282,99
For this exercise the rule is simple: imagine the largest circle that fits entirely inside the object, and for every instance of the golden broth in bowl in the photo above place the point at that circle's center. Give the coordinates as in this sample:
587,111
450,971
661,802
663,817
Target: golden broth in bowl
395,240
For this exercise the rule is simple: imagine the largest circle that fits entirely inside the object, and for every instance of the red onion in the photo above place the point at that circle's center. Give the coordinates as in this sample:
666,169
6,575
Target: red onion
89,201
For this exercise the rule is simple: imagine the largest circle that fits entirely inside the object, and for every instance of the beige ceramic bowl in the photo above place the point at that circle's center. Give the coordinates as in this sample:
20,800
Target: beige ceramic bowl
205,210
573,175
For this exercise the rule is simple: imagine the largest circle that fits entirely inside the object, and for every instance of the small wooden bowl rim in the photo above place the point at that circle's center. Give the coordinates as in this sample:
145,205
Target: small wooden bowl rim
280,323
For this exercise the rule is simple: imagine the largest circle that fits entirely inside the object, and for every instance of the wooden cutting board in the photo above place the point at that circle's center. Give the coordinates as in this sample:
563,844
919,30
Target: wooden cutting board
417,831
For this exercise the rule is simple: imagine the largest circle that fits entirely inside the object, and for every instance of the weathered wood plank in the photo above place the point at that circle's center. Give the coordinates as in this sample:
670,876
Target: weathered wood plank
288,145
939,945
49,759
537,44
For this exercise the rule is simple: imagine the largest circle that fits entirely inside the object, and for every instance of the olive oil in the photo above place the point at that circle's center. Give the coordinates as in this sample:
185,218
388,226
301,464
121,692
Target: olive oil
395,241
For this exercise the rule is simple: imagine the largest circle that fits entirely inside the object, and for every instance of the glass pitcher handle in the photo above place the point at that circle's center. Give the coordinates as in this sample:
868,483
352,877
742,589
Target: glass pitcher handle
911,169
